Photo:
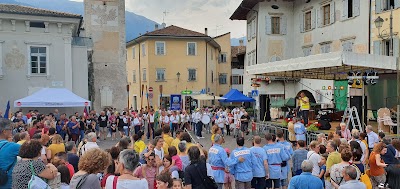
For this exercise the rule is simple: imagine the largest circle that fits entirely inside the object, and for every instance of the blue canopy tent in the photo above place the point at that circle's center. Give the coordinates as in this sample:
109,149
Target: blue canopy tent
236,96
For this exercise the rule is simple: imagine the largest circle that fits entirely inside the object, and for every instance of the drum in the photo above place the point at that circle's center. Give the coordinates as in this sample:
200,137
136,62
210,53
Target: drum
205,120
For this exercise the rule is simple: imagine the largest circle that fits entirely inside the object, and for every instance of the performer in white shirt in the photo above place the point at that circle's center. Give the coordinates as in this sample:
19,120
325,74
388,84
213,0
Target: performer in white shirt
164,119
150,127
236,121
174,118
199,124
184,120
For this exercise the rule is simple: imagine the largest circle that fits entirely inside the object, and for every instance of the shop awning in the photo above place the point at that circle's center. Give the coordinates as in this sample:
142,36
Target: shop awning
334,66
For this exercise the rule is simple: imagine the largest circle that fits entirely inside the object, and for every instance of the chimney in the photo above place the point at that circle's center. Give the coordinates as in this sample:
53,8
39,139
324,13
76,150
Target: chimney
206,31
156,27
241,42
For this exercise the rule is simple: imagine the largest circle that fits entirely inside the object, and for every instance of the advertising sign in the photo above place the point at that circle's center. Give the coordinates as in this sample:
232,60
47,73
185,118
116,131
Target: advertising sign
176,101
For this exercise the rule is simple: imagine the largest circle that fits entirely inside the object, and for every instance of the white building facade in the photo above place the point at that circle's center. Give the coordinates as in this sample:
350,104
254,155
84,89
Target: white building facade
287,29
41,49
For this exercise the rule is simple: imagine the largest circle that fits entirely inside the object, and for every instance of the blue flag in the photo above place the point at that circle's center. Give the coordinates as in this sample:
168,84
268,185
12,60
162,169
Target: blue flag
7,110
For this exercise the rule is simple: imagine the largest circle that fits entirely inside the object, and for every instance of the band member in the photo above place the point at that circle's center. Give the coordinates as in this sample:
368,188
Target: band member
174,118
164,119
276,157
184,120
199,125
150,127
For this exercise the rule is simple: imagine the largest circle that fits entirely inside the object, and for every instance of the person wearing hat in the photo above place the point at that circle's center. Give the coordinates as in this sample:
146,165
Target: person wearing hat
219,160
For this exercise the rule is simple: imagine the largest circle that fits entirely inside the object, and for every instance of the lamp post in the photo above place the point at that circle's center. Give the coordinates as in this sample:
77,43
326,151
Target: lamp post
378,23
178,75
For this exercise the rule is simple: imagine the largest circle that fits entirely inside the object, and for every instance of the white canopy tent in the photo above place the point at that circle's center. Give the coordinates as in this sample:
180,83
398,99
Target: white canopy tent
332,66
207,97
52,97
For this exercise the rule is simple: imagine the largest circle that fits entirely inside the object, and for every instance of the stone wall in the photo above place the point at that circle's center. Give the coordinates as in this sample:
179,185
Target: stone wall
105,24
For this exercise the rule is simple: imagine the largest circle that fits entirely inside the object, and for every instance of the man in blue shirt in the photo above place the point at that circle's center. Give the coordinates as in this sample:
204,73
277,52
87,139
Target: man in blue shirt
285,166
243,171
219,161
299,129
8,151
260,165
306,179
276,155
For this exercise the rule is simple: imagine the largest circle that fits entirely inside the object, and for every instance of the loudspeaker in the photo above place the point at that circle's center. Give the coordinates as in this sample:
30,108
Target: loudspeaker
357,102
265,106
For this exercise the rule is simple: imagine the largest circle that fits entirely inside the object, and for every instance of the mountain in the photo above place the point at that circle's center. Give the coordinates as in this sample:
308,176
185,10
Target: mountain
135,24
235,41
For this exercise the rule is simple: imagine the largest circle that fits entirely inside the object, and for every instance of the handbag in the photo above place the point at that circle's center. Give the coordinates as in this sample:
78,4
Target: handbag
4,173
208,182
36,182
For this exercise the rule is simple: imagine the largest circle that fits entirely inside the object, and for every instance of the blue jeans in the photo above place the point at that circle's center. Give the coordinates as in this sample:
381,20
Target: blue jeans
126,130
82,135
305,117
199,126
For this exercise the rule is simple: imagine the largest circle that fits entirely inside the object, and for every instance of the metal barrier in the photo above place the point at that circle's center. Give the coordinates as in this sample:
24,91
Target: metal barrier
269,127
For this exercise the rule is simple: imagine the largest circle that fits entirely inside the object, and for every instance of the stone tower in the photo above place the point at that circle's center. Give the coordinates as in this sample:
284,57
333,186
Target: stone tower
104,22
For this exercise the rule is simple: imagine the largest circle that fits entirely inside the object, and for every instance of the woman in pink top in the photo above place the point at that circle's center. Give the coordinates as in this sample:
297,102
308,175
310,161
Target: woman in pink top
176,160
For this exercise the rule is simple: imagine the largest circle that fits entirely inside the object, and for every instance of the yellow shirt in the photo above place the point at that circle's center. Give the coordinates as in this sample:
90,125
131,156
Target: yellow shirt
175,143
21,142
167,139
56,148
139,146
366,143
333,158
304,105
212,138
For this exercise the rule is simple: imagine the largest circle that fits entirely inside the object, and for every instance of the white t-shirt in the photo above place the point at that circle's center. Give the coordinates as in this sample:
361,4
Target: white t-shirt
315,158
88,146
125,184
159,153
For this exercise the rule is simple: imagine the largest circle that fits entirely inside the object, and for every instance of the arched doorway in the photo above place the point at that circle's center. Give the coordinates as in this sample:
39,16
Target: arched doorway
308,94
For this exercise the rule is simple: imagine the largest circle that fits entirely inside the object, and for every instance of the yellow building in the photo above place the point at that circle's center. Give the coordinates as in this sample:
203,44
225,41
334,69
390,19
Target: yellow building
179,61
380,42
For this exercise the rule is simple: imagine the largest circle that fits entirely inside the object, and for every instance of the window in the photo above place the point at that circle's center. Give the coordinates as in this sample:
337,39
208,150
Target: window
212,76
388,4
307,51
144,74
386,47
326,14
160,48
38,60
237,80
222,58
351,8
326,48
134,76
254,28
307,21
191,48
133,52
160,74
347,46
249,32
192,74
143,49
275,25
223,78
37,25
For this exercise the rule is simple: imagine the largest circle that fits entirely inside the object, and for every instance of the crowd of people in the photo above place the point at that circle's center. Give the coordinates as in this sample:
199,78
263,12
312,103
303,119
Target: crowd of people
156,150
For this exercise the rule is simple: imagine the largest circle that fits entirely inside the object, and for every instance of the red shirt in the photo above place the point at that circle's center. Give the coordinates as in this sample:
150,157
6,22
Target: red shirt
32,131
71,169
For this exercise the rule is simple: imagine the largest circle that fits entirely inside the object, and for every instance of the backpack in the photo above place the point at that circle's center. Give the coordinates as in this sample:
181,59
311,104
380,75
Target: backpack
364,178
208,182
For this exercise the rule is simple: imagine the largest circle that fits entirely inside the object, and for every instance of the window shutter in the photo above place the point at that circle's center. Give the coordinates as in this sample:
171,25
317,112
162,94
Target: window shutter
332,11
396,4
248,31
283,25
254,28
268,27
396,47
345,9
356,7
301,22
319,14
313,20
378,6
377,47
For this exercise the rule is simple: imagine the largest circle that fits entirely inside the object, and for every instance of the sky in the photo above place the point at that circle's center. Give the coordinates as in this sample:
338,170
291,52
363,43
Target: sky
192,14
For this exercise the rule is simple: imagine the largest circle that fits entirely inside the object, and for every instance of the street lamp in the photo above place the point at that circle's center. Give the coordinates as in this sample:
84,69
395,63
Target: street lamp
378,24
178,75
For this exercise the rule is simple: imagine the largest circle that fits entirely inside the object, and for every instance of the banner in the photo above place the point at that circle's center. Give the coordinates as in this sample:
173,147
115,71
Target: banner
176,101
